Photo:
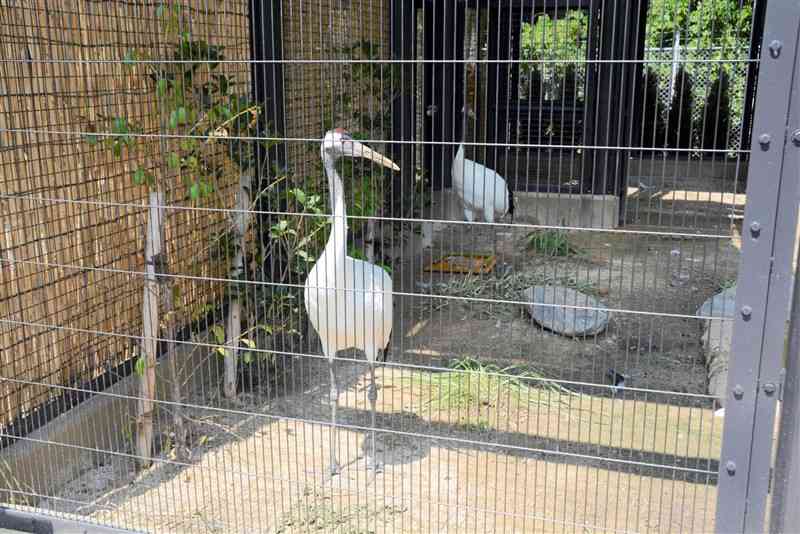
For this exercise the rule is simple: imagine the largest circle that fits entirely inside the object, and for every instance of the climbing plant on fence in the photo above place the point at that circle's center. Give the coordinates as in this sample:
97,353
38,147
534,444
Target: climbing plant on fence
202,136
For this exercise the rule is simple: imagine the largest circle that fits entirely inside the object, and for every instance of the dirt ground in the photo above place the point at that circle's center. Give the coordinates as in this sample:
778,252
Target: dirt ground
535,448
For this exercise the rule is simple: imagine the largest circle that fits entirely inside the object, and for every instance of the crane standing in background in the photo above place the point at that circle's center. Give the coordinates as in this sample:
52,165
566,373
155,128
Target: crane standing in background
481,190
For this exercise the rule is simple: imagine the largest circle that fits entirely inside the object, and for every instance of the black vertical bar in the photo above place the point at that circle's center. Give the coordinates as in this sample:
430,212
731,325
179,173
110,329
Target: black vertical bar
603,106
634,84
266,51
619,31
428,82
403,37
497,81
266,43
756,36
458,89
444,87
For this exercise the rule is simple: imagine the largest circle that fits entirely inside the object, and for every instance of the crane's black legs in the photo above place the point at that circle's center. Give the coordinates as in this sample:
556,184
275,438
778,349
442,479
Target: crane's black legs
334,434
372,395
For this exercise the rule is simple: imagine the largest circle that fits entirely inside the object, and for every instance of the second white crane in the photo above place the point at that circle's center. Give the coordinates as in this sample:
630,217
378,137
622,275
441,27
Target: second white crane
482,191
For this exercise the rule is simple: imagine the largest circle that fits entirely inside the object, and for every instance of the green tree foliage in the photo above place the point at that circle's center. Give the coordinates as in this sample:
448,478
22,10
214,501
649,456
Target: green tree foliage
701,23
708,29
197,103
716,114
679,120
559,42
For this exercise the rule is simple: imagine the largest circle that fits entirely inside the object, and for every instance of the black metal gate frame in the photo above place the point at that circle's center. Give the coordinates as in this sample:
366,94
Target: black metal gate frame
765,278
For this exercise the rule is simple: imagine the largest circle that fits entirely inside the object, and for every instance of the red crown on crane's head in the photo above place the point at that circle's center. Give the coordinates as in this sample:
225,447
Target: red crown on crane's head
343,132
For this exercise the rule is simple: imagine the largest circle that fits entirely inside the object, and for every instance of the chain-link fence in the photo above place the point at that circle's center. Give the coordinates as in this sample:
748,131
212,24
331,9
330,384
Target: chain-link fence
665,63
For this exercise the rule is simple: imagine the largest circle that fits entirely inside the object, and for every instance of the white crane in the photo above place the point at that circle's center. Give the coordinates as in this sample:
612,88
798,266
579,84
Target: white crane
481,190
349,301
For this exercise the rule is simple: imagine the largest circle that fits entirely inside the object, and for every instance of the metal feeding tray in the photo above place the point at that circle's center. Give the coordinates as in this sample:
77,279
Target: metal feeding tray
463,263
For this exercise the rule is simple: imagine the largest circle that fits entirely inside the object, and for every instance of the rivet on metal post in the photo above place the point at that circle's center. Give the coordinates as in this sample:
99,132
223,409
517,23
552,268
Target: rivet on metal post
738,392
747,311
775,48
796,137
730,467
764,140
769,388
755,228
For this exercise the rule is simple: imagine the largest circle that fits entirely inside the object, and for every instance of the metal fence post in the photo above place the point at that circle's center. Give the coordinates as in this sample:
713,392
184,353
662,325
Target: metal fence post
786,486
763,289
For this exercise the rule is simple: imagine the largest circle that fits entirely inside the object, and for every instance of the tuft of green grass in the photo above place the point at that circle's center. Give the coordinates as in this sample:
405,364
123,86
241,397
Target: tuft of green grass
551,243
473,384
726,283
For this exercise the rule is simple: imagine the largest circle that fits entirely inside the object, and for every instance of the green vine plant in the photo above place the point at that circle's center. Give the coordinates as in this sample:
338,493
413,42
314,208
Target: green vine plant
204,134
197,105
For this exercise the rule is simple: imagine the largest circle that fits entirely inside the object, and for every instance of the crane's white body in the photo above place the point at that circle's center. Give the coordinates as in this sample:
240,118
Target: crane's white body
349,301
349,304
481,190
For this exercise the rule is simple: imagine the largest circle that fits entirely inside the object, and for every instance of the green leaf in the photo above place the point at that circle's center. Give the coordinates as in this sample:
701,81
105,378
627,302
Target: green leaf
130,58
194,191
139,175
119,125
91,139
161,87
247,357
300,195
174,160
116,149
223,83
188,144
140,366
176,296
266,328
219,333
181,115
249,342
173,119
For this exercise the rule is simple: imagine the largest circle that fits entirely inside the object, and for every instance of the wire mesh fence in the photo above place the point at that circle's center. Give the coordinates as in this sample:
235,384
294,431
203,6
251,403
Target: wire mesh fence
370,265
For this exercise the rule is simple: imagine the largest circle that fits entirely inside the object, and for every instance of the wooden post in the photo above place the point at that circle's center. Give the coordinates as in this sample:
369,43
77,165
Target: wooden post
174,369
233,328
150,329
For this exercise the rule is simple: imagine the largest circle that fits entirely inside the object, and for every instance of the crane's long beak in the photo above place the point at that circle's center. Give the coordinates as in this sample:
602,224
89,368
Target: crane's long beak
367,153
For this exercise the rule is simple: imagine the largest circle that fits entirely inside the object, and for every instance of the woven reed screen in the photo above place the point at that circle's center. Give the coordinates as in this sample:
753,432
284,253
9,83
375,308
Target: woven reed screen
73,220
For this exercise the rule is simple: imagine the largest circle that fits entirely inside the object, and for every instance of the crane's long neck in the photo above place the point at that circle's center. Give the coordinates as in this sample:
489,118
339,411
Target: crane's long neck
336,247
